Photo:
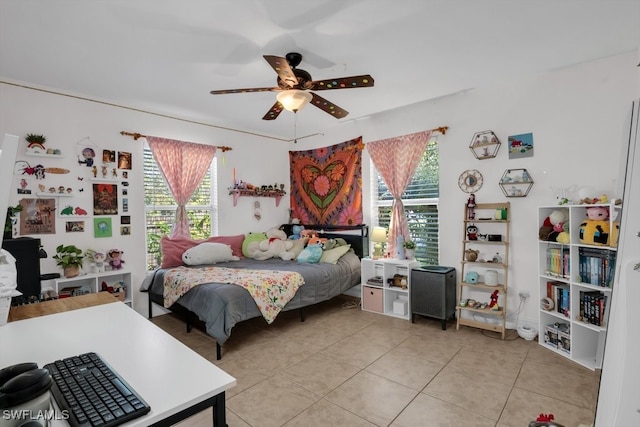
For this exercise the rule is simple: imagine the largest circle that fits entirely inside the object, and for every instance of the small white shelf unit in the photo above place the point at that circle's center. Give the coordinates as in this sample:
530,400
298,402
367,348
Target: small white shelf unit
379,295
92,282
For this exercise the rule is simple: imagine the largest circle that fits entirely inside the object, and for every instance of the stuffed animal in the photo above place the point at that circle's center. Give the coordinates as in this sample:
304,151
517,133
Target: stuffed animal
595,230
276,245
315,240
472,232
296,229
494,301
557,219
98,262
115,259
471,255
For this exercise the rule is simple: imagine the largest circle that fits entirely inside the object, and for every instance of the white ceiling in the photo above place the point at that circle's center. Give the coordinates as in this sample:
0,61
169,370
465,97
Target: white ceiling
165,56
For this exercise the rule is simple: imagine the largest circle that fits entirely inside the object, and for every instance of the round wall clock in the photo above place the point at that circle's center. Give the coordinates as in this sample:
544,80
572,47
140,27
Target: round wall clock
470,181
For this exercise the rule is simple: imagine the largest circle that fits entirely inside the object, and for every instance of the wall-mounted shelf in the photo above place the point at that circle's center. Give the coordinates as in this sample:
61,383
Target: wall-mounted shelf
276,194
49,156
45,194
516,183
484,145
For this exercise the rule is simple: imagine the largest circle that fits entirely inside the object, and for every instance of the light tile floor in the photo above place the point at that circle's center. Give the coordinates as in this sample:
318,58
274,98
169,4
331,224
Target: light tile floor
347,367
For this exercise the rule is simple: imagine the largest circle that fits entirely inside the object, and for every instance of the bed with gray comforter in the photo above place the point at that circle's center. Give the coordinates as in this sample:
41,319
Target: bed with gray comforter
221,306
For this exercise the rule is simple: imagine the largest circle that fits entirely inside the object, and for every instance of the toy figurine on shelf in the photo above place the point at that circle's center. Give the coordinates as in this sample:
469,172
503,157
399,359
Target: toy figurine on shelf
493,305
471,204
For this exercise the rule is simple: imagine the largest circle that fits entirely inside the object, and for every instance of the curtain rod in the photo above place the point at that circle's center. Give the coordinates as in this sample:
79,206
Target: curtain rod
442,129
136,136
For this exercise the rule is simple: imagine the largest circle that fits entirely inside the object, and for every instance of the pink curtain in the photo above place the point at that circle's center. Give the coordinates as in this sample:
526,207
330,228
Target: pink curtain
183,165
397,159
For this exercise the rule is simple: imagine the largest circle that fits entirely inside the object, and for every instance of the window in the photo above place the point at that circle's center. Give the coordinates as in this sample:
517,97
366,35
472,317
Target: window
160,208
420,203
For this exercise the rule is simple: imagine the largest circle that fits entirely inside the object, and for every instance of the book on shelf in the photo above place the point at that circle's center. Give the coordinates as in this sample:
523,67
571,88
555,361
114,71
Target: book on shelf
558,262
596,266
592,307
560,294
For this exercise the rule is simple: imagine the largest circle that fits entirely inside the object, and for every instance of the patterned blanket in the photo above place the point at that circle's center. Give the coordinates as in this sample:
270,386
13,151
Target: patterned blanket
271,289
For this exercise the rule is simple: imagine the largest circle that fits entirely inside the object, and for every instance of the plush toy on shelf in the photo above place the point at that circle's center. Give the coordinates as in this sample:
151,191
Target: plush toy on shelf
493,305
595,230
115,259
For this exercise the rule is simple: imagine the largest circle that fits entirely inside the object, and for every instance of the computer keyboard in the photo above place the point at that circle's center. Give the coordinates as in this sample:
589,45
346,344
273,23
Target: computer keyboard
93,393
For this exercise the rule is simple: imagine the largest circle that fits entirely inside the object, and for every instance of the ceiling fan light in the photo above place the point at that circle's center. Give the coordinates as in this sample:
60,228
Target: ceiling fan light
294,99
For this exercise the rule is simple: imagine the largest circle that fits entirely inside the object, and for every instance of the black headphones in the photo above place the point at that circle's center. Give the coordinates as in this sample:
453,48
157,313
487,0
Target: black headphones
22,382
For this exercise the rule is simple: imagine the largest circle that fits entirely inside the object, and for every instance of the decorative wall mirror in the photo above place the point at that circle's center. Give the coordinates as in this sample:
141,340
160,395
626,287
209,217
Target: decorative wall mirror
470,181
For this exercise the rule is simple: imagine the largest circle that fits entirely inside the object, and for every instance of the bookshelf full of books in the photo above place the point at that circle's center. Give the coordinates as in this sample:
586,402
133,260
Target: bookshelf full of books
577,256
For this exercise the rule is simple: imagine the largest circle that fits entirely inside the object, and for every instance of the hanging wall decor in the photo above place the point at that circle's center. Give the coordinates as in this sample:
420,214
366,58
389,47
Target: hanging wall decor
520,146
484,145
102,227
105,199
470,181
516,183
37,216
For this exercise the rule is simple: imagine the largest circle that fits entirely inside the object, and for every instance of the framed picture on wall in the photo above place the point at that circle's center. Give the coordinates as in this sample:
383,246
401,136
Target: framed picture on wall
520,146
105,199
102,227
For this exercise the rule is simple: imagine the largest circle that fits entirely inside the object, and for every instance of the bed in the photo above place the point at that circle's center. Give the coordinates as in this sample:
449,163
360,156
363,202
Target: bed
220,306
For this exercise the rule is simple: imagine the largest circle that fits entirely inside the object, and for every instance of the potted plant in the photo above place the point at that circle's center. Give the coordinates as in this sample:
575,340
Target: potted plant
409,249
8,224
69,258
33,138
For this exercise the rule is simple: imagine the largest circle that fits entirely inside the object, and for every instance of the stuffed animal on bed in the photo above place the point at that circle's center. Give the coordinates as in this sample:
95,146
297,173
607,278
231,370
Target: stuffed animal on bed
296,230
208,253
276,245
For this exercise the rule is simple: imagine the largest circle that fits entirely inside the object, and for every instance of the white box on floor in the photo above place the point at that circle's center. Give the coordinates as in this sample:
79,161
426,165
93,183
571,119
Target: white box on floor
400,307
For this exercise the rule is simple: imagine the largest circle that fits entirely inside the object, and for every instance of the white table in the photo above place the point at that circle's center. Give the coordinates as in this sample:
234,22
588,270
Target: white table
174,380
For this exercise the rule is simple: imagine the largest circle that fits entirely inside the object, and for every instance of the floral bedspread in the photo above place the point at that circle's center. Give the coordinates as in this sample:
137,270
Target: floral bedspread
271,289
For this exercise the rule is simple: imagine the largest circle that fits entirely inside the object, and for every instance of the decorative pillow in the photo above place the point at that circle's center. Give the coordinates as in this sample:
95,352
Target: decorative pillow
332,256
298,246
252,237
208,253
172,249
311,254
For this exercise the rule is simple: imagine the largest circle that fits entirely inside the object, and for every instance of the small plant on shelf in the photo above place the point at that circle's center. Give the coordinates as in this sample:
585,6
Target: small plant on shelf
8,224
69,257
409,244
34,138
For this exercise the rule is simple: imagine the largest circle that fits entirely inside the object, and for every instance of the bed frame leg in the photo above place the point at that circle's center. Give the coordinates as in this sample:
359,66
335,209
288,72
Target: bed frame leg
301,314
218,351
150,306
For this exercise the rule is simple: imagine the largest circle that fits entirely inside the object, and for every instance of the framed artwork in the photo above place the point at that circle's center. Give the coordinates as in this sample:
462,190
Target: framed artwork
37,216
74,226
108,156
125,230
102,227
124,160
125,220
105,199
520,146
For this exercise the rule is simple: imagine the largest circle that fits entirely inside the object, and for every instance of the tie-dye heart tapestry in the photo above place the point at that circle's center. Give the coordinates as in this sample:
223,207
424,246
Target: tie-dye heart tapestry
326,184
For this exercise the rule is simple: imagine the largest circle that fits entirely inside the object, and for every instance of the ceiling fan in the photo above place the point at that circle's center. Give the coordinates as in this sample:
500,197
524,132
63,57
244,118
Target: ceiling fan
295,86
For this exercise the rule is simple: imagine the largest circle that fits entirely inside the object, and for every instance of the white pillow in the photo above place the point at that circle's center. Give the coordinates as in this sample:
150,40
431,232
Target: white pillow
208,253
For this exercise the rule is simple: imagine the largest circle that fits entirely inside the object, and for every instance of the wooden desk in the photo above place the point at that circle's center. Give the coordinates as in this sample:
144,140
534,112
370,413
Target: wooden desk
173,379
44,308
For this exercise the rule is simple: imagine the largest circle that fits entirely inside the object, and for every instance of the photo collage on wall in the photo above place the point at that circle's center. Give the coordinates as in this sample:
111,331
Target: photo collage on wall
52,191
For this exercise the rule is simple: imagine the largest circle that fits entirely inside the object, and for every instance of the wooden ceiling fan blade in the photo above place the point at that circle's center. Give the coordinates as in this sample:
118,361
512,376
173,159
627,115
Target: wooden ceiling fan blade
245,90
328,107
274,112
344,82
284,70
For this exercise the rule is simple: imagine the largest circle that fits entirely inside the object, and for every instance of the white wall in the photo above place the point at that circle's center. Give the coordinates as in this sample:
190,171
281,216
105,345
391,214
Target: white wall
66,120
576,116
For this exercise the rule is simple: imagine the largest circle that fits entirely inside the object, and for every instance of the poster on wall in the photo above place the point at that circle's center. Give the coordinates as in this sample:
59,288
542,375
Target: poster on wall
520,146
102,227
37,216
105,199
124,160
